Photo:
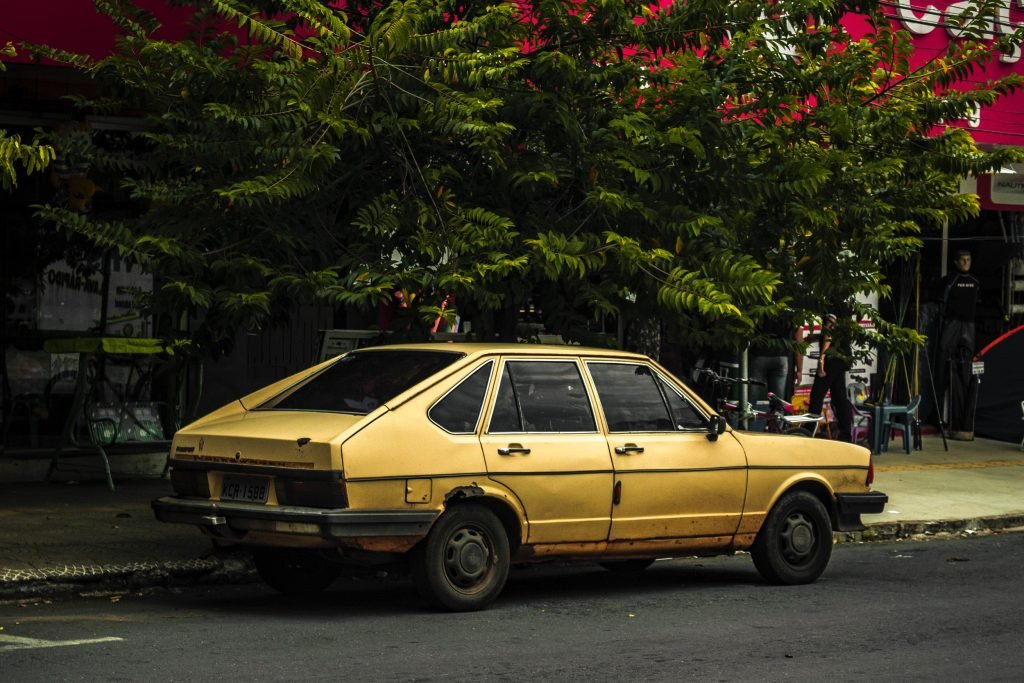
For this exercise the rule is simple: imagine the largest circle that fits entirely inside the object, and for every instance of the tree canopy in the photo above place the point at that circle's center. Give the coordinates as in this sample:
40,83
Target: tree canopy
709,163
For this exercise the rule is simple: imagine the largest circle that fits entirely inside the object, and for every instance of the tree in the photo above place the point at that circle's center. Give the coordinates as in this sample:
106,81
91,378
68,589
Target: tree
710,163
14,153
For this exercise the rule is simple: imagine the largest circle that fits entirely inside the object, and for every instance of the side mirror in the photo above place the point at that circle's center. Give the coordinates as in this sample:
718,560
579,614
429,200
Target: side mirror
716,426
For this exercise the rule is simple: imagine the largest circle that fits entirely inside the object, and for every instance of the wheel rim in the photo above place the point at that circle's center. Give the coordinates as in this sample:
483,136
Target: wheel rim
799,538
468,558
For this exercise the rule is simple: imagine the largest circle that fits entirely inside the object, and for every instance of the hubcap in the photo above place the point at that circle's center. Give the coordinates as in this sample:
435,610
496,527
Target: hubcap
798,538
467,557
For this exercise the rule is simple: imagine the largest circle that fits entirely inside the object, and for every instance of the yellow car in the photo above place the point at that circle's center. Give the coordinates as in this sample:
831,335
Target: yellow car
463,459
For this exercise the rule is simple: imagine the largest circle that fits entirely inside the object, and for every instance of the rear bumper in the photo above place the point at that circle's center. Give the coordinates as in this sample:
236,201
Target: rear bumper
235,520
850,506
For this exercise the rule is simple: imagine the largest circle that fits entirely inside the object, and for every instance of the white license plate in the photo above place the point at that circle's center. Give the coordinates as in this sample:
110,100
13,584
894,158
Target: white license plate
246,489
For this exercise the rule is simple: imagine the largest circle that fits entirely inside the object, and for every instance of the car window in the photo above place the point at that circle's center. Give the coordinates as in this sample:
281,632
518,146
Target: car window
635,398
458,411
630,398
684,414
542,396
361,381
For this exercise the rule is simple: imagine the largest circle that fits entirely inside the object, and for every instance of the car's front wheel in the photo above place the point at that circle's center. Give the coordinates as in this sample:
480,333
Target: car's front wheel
298,573
463,563
795,543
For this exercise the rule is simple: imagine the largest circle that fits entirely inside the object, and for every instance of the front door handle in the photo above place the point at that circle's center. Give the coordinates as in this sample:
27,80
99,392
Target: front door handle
628,448
514,449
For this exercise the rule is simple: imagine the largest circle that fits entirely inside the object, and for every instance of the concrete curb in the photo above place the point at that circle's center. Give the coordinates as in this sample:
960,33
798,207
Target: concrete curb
898,531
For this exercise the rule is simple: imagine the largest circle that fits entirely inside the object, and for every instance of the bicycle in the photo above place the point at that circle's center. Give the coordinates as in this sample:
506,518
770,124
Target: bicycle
780,418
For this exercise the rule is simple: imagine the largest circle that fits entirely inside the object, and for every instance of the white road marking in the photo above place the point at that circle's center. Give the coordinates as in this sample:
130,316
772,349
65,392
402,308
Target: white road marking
19,643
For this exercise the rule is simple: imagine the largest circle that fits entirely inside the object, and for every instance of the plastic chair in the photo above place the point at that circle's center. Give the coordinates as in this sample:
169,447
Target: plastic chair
900,417
1022,417
861,426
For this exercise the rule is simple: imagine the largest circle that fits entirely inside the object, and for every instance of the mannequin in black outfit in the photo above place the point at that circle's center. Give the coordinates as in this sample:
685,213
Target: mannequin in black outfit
956,340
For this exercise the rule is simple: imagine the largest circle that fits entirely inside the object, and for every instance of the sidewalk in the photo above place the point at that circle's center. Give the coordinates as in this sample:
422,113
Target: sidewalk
69,538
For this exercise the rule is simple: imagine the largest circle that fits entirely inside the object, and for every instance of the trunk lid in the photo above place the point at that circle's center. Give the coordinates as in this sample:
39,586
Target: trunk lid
267,438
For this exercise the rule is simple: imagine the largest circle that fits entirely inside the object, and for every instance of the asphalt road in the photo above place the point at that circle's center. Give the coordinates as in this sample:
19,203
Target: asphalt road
932,610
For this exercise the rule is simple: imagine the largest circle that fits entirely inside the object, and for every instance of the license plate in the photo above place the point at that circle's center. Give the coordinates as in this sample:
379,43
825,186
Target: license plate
245,489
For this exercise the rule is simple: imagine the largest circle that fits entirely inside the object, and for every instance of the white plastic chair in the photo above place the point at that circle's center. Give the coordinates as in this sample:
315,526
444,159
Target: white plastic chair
861,425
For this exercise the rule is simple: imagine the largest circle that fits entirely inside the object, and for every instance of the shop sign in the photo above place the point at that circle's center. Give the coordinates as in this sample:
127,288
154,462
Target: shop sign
1007,188
70,300
932,25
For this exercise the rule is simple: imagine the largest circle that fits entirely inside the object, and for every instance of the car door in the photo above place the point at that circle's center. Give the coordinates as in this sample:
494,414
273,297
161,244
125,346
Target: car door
542,442
670,480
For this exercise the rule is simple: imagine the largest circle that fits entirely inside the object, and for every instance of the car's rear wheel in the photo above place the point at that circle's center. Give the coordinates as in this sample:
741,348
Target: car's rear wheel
626,567
463,563
298,573
795,543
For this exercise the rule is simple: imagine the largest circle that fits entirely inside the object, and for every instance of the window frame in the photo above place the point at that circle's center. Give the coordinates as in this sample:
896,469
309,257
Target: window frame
585,382
660,386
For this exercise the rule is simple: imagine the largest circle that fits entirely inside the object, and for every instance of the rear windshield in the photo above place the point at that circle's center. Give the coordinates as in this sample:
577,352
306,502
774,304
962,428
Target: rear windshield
361,381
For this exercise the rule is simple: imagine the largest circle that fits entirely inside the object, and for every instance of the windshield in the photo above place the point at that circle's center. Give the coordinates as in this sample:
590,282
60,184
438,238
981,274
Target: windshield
361,381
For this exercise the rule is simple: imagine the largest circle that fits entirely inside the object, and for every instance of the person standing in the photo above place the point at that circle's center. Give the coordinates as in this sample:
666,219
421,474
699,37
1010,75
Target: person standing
830,378
956,345
769,360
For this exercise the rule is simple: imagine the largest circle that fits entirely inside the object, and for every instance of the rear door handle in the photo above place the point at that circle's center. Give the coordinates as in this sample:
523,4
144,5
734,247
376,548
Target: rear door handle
514,449
628,448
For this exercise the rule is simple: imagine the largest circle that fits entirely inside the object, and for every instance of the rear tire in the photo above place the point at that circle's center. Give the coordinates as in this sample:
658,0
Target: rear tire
463,563
795,543
296,573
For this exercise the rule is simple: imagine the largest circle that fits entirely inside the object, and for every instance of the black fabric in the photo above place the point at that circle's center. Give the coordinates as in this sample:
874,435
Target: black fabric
960,294
1001,389
773,336
834,383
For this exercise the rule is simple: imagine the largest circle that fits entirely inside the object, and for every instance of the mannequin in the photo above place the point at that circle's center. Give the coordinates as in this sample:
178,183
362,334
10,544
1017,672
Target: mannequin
956,345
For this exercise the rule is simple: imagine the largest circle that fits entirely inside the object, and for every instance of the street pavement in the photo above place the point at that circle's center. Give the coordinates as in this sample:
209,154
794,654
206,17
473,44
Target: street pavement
81,538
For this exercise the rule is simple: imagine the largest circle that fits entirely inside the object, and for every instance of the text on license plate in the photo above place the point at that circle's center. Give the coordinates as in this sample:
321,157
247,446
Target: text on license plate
247,489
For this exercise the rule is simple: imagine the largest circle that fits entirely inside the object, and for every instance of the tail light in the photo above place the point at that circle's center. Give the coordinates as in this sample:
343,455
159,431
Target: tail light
870,479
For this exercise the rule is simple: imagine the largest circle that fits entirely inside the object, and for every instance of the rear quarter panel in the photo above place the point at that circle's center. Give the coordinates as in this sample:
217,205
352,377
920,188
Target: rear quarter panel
403,460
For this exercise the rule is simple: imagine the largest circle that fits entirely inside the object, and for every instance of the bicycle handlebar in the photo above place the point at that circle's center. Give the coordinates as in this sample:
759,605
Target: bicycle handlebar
715,377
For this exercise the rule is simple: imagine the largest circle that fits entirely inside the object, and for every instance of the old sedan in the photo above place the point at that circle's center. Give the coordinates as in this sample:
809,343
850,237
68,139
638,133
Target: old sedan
465,458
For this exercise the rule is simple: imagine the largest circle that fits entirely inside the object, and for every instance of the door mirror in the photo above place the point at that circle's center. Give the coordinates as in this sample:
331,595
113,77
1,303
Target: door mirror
716,426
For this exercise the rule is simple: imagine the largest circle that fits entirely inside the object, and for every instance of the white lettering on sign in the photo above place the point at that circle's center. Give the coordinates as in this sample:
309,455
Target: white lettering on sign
918,24
956,16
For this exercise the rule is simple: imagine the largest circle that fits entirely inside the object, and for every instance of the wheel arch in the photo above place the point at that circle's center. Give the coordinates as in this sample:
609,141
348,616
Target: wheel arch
502,507
820,490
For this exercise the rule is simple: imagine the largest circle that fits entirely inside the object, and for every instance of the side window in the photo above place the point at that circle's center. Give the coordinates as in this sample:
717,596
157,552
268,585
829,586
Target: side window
542,396
459,410
631,398
684,414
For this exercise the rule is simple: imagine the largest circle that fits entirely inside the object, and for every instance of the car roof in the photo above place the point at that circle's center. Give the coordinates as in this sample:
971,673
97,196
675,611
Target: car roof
478,349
